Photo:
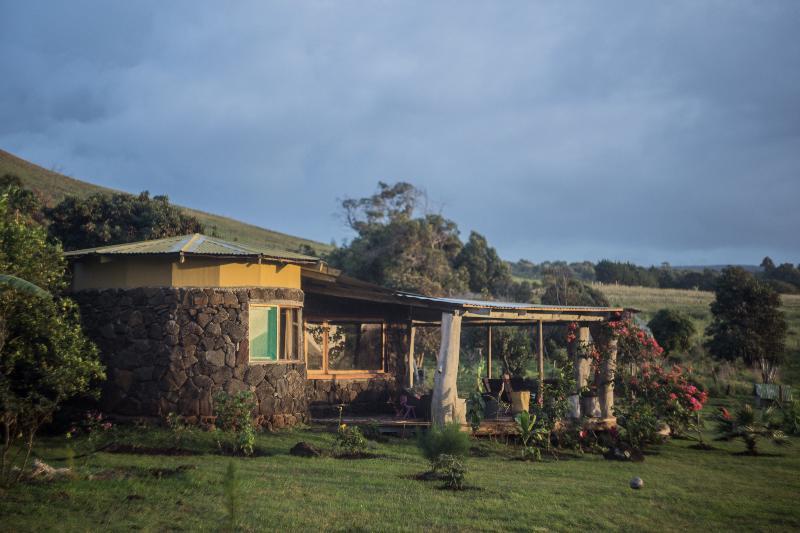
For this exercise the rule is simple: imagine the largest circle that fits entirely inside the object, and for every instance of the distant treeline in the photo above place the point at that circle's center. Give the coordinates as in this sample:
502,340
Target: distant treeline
783,279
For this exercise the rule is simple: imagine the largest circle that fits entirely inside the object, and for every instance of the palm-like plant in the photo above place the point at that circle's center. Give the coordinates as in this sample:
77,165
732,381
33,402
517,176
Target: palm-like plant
528,431
19,284
750,426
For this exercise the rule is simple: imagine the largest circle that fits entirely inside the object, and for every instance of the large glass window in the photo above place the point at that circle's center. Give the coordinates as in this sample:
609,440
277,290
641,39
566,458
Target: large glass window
275,333
341,347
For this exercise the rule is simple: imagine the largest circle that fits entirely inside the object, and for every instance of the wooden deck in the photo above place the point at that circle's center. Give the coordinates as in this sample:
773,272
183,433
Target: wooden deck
408,426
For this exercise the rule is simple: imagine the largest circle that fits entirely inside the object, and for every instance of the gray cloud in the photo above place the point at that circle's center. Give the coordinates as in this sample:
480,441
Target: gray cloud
629,130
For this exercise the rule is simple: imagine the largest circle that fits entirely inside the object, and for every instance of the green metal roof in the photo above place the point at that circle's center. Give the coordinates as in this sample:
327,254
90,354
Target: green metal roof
194,244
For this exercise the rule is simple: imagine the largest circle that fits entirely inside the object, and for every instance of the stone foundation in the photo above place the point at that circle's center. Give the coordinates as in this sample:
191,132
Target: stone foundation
169,350
361,396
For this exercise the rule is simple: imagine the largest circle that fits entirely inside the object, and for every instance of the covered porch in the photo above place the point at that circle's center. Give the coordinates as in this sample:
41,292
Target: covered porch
331,297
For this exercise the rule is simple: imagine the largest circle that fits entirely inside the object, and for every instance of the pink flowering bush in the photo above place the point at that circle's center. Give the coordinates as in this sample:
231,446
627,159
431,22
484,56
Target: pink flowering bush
671,393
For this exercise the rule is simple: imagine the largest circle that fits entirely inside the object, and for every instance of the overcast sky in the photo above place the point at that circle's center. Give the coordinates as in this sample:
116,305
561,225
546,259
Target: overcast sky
641,131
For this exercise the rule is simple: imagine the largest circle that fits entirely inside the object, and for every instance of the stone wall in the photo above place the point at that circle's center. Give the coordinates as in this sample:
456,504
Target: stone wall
360,396
171,349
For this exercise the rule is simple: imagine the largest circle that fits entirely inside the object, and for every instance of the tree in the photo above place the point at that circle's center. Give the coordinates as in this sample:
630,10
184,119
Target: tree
515,346
747,322
488,274
397,247
44,357
573,292
767,264
672,329
103,219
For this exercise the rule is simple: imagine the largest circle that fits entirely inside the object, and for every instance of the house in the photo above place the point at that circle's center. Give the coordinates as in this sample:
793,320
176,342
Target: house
180,318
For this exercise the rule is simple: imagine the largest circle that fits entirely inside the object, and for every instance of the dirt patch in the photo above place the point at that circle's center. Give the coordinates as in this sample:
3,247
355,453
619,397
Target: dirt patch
135,449
359,455
113,474
702,446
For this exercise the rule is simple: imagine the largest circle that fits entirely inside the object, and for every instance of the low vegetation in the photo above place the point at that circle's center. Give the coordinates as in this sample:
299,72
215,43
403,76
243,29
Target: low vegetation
684,489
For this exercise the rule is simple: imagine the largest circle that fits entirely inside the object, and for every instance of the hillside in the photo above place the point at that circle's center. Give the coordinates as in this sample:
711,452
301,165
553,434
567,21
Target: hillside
54,186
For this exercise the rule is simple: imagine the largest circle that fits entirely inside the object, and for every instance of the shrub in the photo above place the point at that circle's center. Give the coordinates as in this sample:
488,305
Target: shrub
791,418
178,427
45,359
452,470
533,436
672,329
234,417
750,426
350,442
449,440
639,424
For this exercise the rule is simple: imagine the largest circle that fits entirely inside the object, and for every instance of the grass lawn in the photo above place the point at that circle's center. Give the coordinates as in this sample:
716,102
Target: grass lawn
684,489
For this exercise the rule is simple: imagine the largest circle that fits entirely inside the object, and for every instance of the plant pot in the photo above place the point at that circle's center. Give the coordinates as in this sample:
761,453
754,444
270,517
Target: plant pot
520,400
590,406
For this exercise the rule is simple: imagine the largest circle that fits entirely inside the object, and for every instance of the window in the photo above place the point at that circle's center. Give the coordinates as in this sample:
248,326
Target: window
344,347
275,333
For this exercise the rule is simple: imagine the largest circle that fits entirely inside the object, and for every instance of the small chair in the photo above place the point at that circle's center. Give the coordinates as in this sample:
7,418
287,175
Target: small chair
406,409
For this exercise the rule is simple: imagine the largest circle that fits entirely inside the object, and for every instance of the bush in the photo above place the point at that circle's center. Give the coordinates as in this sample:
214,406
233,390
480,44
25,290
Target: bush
449,440
750,426
234,417
452,470
672,329
791,418
533,436
639,425
45,359
350,442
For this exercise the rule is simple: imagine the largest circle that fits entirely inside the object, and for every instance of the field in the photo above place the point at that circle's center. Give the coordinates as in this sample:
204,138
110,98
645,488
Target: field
54,186
684,489
695,304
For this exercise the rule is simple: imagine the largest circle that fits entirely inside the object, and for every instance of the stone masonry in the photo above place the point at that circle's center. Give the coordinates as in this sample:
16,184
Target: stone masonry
169,350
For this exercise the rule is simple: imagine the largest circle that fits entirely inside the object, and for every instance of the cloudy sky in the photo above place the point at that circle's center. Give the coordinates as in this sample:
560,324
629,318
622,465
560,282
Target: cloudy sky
642,131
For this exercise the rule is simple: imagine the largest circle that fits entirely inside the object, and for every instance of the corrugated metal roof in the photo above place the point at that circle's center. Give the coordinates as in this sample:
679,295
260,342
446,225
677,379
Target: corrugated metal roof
465,303
194,244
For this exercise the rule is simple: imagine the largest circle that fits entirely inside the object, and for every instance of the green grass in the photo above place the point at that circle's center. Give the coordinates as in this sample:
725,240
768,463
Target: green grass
53,187
684,489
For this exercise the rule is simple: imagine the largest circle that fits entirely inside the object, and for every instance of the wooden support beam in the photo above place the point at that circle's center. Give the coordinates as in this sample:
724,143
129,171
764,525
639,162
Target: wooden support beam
489,351
473,316
540,340
410,361
445,405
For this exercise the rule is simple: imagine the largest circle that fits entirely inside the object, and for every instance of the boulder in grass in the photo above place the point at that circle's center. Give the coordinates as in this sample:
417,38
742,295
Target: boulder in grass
304,449
637,483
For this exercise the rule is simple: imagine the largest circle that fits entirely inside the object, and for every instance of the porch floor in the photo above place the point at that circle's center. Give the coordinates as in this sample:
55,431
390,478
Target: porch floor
503,425
388,424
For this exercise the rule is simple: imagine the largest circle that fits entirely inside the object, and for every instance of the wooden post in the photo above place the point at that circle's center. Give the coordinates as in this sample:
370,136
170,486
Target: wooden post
445,405
606,391
582,365
540,396
489,352
410,363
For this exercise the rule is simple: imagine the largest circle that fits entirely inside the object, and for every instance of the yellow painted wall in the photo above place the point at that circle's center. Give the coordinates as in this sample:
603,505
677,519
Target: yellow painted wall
128,273
131,272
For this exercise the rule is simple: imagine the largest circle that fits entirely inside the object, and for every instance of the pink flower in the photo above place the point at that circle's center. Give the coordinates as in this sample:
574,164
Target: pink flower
673,396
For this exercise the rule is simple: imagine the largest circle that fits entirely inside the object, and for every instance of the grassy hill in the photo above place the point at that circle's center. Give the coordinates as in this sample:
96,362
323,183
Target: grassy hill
54,186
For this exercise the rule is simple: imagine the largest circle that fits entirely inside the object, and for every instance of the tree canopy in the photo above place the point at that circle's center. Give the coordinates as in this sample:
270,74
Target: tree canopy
672,329
398,245
44,357
747,322
103,219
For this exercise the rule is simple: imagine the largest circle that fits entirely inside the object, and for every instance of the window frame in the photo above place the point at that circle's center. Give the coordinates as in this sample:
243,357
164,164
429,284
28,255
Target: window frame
280,306
325,372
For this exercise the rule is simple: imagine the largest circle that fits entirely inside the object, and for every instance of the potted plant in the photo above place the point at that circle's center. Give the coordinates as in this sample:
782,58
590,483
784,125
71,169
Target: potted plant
590,403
